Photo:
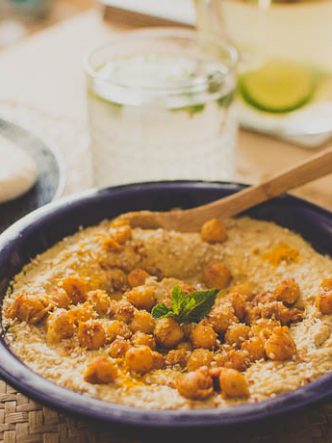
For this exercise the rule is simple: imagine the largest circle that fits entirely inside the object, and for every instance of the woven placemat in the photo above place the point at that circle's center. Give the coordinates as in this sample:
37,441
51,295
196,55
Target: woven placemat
24,421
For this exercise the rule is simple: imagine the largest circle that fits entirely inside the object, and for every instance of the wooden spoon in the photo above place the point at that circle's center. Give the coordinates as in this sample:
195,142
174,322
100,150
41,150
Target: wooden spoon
191,220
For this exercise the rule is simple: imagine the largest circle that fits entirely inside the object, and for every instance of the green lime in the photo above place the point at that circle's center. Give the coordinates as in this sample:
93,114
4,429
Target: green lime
279,86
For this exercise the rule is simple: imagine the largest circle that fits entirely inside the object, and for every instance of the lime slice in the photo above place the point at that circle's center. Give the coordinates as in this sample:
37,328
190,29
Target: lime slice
278,86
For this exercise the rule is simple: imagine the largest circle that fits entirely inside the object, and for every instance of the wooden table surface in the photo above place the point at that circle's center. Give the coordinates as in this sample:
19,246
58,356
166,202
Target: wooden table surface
45,72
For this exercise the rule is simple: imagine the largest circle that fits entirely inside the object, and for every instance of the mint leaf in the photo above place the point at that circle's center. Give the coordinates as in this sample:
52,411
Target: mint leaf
161,311
186,308
178,299
200,304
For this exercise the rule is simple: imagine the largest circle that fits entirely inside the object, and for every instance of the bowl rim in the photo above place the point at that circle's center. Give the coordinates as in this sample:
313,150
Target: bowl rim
24,379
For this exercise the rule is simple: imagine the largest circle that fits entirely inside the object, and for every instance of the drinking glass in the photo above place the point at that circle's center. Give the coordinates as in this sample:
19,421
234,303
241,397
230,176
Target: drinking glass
160,107
285,83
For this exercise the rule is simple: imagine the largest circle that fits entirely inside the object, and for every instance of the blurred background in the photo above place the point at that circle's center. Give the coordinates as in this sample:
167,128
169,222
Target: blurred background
20,18
285,44
281,96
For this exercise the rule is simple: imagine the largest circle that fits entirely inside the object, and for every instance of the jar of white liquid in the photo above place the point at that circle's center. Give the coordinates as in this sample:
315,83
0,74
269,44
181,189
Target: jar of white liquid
160,107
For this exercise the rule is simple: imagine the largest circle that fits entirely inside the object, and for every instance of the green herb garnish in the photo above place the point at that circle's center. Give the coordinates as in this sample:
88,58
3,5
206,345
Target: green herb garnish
226,100
186,308
191,109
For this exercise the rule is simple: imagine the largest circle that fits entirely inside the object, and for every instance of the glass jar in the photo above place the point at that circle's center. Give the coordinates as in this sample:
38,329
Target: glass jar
160,107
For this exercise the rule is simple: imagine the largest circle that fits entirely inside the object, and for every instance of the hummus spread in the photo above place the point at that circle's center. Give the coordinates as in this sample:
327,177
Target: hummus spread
155,319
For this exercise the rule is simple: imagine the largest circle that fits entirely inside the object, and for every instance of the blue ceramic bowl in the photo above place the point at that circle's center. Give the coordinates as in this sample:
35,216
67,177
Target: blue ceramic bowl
44,227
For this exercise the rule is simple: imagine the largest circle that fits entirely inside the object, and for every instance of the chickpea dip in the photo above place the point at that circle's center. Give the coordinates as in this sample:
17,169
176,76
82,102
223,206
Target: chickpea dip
239,312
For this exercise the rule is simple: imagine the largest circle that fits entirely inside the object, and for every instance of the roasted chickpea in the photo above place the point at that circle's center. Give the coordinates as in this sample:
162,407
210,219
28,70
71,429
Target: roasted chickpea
234,359
264,298
101,370
122,310
217,275
239,305
264,327
100,301
236,334
158,360
187,329
288,291
140,359
326,284
275,310
137,277
254,347
168,332
28,308
244,289
221,318
60,298
280,346
91,334
76,288
253,314
118,348
324,303
117,328
198,358
82,312
233,384
142,321
196,385
177,357
140,338
203,335
142,297
60,324
213,231
118,279
288,315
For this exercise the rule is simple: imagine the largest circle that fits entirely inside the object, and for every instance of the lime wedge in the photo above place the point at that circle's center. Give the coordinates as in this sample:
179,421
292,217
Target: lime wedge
279,86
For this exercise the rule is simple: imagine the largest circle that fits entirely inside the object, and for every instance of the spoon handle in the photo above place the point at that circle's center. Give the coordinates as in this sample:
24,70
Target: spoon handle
191,220
313,168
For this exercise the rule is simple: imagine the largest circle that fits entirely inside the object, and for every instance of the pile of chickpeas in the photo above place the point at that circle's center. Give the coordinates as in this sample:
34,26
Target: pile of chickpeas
209,356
